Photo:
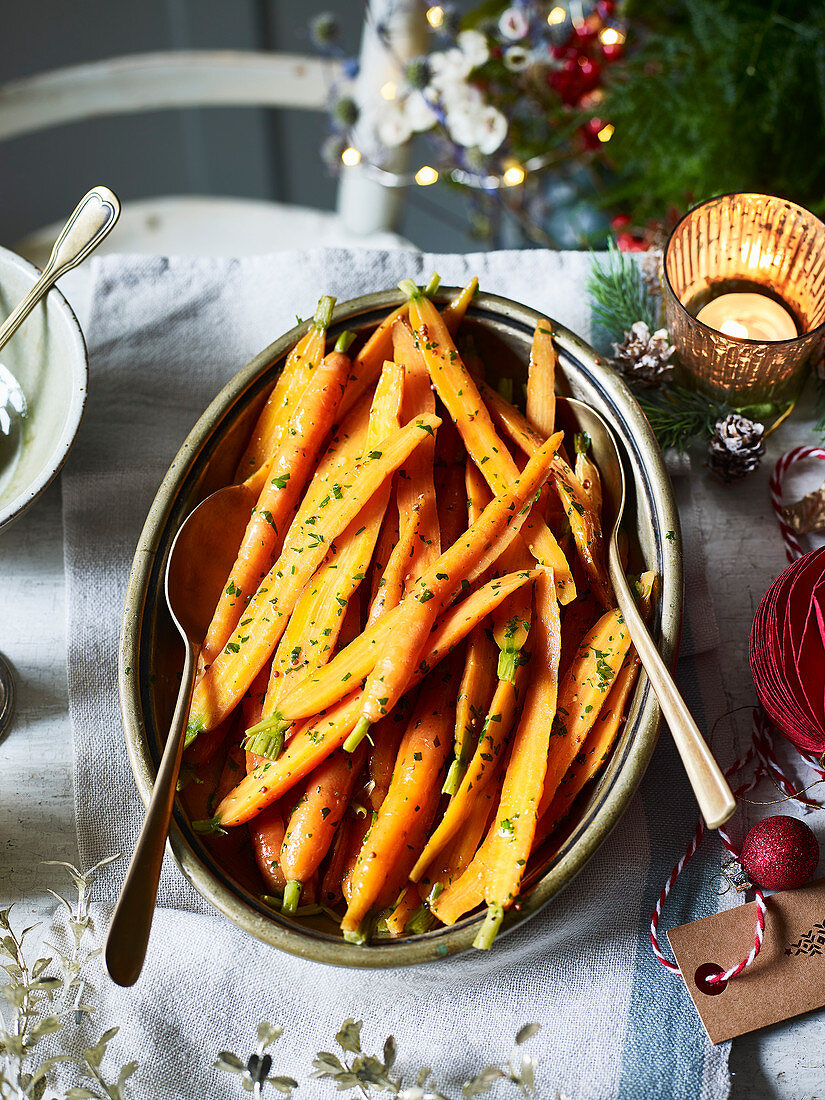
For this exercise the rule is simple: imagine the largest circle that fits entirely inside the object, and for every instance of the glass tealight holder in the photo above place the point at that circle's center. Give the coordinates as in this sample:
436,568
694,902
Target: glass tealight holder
752,244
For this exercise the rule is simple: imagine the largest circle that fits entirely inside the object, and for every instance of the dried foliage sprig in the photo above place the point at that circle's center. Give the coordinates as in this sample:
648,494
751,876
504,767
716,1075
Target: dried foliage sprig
370,1075
41,1002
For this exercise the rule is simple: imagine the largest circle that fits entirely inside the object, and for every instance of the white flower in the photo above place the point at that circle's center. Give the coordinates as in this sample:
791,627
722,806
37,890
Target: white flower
478,127
493,130
461,97
418,113
449,67
516,58
473,44
513,24
392,126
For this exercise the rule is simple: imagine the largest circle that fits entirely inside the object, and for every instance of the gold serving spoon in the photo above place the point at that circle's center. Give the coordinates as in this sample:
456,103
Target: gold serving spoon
200,560
712,791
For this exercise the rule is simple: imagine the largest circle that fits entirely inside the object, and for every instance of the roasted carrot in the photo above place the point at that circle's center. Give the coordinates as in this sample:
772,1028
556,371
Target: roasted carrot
321,734
265,618
453,312
494,733
478,679
541,379
313,627
367,363
461,564
416,492
314,821
578,504
331,883
587,473
458,391
403,911
583,692
288,477
267,833
417,775
599,740
388,679
515,824
285,397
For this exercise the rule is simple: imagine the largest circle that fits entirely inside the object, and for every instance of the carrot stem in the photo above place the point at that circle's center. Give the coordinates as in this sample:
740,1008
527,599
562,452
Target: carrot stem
489,930
292,895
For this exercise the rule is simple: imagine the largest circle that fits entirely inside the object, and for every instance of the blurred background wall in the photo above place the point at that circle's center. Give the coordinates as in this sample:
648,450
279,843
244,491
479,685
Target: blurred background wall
262,154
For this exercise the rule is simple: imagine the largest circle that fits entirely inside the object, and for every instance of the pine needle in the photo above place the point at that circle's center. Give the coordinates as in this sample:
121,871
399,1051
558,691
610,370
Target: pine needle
619,295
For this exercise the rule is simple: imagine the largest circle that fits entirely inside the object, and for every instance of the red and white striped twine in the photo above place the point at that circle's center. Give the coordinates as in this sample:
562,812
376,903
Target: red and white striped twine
759,751
792,548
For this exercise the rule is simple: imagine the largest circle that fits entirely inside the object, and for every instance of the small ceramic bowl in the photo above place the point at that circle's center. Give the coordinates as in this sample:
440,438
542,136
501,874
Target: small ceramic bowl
151,652
47,356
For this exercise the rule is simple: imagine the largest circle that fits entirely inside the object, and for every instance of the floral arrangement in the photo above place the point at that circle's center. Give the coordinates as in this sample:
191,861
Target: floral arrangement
504,93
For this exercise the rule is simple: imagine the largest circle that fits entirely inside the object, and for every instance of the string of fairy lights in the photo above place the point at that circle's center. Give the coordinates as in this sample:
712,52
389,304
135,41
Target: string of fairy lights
514,173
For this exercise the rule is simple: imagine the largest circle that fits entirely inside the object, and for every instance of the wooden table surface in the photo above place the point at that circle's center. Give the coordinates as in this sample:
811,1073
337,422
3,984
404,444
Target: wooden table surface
36,806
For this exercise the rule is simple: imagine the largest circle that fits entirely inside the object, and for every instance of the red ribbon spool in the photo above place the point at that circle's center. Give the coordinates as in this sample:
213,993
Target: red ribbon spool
787,652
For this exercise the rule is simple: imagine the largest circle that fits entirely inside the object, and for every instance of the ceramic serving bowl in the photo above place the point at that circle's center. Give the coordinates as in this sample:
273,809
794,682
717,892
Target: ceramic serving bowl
47,356
151,652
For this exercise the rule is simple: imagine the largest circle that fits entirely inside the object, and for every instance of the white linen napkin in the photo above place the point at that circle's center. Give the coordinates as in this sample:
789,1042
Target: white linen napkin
165,335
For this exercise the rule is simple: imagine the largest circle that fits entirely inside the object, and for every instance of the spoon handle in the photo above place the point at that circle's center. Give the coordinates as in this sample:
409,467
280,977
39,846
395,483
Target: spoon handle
712,791
90,223
131,924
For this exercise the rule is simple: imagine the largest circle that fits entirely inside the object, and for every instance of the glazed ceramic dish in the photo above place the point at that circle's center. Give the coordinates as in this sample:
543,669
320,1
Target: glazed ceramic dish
151,649
47,356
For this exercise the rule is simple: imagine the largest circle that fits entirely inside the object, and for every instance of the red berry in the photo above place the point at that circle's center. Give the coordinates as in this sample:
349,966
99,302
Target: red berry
780,853
620,221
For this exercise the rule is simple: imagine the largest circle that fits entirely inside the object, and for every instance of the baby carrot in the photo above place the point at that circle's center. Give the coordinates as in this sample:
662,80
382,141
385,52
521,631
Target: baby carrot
453,312
478,679
541,379
482,768
236,666
387,681
313,628
421,756
269,430
403,911
599,740
578,504
461,564
326,731
288,476
461,396
314,821
267,834
515,824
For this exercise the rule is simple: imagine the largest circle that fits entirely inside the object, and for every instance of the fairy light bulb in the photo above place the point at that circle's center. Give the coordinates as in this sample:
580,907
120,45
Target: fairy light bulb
606,132
389,90
351,157
435,16
514,175
611,36
556,16
426,175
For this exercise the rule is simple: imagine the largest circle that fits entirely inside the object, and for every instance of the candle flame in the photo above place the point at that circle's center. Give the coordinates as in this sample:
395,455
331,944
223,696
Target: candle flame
733,328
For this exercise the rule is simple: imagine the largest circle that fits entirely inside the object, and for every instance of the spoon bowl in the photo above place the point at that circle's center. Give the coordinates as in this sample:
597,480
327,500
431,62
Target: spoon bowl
199,562
712,791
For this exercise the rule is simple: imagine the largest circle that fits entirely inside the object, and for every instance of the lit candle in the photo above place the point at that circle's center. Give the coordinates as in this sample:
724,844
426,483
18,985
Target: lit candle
750,316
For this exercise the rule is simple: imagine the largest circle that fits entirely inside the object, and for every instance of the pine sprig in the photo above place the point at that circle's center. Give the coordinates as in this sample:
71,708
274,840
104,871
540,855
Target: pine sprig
678,415
619,294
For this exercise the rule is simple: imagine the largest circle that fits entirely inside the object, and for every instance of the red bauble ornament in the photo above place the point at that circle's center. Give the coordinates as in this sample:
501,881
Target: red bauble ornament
780,853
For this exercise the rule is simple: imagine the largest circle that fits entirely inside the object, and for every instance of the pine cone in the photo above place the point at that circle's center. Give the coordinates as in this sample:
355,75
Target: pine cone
735,447
643,357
